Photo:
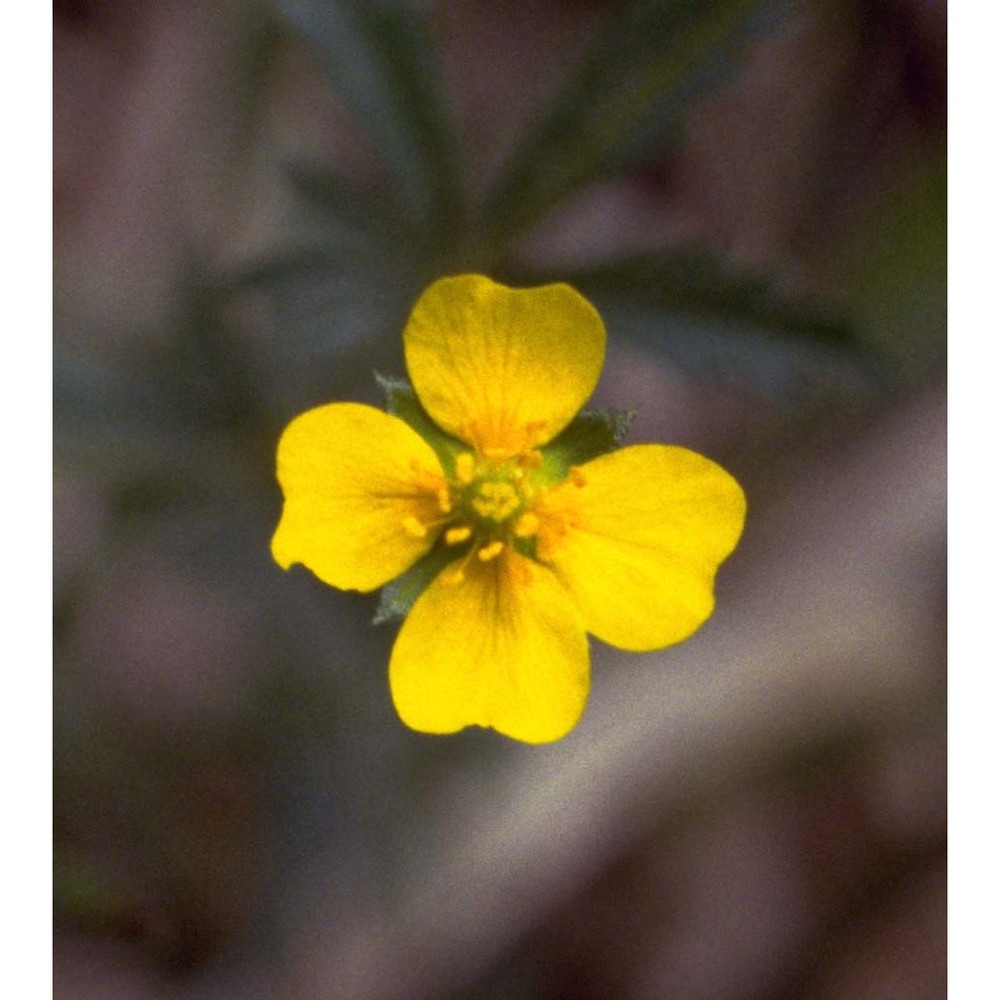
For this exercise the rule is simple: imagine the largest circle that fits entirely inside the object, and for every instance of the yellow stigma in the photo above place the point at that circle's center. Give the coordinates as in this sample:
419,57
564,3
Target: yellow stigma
496,500
486,507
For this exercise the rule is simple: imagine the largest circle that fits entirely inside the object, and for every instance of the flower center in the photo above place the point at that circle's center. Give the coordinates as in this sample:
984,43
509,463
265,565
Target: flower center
486,503
495,500
492,503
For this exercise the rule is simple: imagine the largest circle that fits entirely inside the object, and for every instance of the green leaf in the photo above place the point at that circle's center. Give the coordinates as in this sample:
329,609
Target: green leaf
337,313
349,208
591,433
893,267
122,426
169,438
379,57
396,598
80,890
641,76
401,401
700,283
695,312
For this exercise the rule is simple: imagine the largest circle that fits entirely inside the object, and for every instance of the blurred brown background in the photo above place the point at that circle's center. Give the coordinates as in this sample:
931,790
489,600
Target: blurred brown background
248,198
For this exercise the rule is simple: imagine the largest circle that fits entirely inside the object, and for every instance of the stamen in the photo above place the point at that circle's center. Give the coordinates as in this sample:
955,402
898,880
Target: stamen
444,500
491,551
532,432
531,459
496,454
457,535
576,476
527,525
414,528
465,468
454,577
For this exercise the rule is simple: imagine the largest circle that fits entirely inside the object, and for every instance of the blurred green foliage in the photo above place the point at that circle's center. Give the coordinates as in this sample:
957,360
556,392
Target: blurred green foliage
339,291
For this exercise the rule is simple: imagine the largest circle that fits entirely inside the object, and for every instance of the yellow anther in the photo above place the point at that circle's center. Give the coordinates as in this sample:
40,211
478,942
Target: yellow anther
465,468
455,536
527,525
491,551
576,476
534,431
414,528
444,500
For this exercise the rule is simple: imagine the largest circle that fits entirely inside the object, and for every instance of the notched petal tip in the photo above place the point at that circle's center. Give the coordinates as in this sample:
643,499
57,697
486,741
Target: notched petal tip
639,545
503,369
503,649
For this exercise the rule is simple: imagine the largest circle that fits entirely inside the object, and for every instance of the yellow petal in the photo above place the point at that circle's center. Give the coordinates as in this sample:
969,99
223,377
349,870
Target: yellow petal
638,542
503,369
357,482
504,648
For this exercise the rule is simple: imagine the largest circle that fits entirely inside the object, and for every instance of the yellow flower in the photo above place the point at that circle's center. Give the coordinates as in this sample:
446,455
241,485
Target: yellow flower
518,535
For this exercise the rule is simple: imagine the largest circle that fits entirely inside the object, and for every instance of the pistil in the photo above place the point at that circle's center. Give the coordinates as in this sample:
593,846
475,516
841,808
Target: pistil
487,504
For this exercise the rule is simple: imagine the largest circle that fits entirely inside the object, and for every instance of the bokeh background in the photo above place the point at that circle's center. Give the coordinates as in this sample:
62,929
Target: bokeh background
248,198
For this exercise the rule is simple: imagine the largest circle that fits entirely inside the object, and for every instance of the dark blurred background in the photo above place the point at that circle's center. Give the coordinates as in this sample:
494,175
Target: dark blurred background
248,197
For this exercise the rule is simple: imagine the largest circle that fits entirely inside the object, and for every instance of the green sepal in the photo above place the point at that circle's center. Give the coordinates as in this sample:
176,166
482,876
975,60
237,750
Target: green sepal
591,433
397,597
401,401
